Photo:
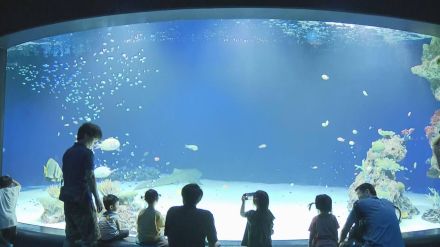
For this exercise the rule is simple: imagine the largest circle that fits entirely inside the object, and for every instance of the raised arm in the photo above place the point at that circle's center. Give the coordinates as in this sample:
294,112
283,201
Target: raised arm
15,183
243,200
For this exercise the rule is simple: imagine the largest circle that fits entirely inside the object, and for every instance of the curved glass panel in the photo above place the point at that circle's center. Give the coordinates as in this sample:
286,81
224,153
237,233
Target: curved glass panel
295,108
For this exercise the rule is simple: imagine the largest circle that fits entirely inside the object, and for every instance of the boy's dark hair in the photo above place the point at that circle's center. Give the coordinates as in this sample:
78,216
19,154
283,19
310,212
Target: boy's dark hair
5,181
191,194
151,196
366,186
109,200
323,203
89,129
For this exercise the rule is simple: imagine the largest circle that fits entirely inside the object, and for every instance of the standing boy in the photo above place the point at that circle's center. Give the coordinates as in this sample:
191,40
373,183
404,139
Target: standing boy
79,187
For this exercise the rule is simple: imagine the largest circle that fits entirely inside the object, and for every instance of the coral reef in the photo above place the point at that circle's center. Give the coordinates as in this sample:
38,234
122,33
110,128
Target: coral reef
380,167
109,187
430,67
128,218
385,133
433,215
53,210
54,191
432,133
434,197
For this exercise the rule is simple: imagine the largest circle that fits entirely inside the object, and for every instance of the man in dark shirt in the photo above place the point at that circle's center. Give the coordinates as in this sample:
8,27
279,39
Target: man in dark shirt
79,187
380,225
188,226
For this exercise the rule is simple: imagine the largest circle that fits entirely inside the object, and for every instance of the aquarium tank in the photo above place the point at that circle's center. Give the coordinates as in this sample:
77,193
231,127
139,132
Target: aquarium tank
294,108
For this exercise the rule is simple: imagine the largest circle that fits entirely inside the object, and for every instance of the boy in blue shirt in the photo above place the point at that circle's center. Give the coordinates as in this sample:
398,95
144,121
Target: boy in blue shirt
79,189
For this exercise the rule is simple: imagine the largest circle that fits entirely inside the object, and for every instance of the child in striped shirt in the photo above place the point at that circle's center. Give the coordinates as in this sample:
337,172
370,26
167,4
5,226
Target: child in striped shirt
109,221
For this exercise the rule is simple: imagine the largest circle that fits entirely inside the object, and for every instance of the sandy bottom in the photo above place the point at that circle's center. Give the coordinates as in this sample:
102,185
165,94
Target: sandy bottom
287,202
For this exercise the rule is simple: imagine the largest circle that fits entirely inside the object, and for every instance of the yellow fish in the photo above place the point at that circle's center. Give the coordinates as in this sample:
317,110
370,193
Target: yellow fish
52,171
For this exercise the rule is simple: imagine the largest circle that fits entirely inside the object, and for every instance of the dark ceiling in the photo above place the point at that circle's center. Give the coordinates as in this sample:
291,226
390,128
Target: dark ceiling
17,15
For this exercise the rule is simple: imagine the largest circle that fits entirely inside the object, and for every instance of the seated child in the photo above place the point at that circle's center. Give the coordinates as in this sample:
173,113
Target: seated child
9,191
109,221
150,222
324,226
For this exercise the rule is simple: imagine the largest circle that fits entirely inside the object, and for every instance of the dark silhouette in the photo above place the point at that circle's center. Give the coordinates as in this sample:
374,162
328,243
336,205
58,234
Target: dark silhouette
375,219
259,227
150,222
79,187
188,226
324,226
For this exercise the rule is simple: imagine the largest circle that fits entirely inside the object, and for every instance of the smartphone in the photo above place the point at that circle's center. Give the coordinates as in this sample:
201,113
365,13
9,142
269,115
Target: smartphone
247,195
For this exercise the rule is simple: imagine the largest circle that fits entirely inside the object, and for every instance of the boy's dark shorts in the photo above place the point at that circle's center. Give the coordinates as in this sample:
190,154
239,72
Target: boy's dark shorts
81,222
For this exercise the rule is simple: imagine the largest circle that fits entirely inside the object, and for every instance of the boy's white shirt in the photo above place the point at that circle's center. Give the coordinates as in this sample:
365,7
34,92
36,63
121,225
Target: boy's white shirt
8,203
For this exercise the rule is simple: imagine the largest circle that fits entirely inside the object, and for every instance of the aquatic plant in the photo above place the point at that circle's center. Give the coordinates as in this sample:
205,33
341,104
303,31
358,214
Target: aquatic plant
433,214
430,67
377,146
379,168
109,187
394,148
364,167
387,164
432,133
385,133
434,197
401,187
54,191
53,210
384,193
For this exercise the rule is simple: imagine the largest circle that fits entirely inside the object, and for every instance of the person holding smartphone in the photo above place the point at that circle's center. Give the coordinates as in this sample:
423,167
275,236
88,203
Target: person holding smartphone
259,227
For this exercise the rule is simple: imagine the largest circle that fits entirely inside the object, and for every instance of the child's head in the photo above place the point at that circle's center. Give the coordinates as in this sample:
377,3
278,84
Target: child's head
323,203
5,181
111,202
151,196
261,200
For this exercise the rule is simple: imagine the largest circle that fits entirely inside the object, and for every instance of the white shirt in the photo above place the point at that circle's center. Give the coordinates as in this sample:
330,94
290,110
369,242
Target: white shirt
8,202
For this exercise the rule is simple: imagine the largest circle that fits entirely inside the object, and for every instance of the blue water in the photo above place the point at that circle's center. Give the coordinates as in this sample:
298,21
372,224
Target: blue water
226,86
